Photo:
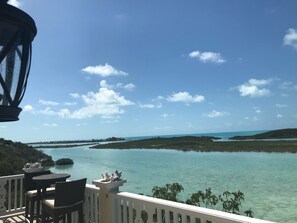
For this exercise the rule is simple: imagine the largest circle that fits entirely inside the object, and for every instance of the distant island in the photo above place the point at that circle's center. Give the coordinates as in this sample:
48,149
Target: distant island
72,143
208,144
275,134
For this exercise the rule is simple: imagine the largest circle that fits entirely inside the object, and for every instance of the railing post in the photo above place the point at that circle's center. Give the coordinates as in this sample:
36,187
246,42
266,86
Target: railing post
107,206
2,196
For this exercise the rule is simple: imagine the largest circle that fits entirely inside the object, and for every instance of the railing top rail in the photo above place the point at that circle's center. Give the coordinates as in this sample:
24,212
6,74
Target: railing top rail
92,187
20,176
17,176
190,208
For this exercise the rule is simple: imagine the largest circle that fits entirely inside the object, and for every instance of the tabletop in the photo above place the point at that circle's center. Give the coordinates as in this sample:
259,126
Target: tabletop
51,178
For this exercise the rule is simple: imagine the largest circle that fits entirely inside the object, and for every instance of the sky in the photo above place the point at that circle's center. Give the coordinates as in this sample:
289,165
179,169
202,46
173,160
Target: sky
103,68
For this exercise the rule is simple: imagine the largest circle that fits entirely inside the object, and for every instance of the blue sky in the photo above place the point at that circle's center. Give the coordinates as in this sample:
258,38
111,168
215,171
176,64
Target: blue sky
104,68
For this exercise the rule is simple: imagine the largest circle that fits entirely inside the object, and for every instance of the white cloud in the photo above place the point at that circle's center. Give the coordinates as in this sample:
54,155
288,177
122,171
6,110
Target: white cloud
81,124
252,88
288,85
103,70
146,105
255,119
257,110
279,115
74,95
216,114
206,57
128,87
47,111
110,121
253,91
185,97
165,115
28,108
15,3
63,113
50,125
259,82
106,103
290,38
158,105
104,84
48,103
70,103
281,105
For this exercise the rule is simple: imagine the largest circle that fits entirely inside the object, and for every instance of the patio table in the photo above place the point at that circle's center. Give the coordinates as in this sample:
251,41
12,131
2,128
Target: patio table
45,181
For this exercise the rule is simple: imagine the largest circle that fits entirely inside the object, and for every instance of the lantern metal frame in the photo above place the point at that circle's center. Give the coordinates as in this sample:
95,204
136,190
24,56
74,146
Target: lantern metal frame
17,31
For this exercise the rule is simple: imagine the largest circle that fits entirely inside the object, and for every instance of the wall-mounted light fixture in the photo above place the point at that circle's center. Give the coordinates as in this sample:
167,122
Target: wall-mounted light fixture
17,31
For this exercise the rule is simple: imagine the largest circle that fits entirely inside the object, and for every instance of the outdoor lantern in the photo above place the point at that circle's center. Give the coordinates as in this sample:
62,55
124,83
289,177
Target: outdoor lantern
17,31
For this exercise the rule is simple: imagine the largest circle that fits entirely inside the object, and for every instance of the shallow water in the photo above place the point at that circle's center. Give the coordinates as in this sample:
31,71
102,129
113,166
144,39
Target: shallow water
268,180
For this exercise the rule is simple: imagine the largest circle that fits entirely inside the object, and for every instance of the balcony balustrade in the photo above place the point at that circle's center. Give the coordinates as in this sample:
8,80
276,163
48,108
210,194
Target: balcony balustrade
108,205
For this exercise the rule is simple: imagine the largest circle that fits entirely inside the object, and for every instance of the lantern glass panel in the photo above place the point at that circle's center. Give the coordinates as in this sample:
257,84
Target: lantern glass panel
10,71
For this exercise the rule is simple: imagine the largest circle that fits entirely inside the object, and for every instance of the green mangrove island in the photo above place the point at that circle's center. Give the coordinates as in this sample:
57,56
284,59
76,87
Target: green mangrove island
211,144
72,143
275,134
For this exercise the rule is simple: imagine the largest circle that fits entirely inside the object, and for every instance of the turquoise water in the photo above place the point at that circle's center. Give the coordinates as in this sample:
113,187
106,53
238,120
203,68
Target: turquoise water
268,180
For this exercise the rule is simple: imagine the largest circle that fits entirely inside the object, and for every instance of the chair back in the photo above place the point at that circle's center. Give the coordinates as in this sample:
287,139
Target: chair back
29,183
70,192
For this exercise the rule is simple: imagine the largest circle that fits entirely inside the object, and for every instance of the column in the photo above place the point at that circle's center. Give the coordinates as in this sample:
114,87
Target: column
107,210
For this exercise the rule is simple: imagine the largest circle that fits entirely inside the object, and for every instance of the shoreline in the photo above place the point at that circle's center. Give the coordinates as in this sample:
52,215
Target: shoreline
59,146
279,141
205,145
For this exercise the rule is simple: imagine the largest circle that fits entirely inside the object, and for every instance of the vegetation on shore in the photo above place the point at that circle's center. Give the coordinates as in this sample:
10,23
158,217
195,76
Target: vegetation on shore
73,143
204,144
275,134
230,202
14,155
61,146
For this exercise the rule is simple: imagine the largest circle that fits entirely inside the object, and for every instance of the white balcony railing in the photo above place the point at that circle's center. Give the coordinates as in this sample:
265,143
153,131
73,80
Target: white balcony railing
11,194
107,205
91,204
137,208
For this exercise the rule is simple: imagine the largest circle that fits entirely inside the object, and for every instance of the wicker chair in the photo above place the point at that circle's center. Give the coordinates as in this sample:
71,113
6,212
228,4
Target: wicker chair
68,198
31,192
